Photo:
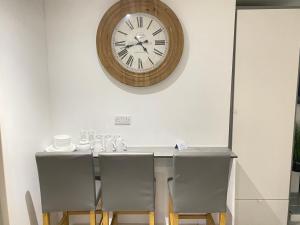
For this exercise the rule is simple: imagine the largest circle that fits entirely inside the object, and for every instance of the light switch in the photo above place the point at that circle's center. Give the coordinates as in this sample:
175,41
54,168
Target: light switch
122,120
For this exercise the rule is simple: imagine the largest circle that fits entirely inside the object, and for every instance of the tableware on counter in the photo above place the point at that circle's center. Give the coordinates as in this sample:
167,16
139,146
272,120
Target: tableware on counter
61,143
83,147
109,143
70,148
84,139
99,143
91,138
120,144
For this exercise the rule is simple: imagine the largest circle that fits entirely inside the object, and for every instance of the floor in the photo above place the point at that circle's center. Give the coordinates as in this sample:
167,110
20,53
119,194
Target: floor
1,223
294,209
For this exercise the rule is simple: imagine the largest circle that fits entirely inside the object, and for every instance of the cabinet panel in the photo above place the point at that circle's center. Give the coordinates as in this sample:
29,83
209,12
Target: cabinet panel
261,212
266,73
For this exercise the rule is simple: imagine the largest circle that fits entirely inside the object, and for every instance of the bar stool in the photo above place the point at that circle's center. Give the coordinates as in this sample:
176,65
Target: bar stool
199,186
67,184
127,185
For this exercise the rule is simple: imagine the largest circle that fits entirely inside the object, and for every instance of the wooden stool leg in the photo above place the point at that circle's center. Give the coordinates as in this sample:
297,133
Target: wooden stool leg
209,219
151,218
46,218
114,219
105,220
66,216
92,218
175,219
222,218
171,213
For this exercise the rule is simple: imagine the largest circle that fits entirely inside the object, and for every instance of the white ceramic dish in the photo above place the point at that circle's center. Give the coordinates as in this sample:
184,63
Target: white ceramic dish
70,148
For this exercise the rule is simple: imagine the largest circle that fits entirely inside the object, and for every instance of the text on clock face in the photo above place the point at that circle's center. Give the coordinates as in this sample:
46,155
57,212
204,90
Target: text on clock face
140,42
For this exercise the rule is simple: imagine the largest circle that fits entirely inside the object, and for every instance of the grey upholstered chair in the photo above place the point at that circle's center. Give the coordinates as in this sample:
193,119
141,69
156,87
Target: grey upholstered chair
67,184
127,184
199,186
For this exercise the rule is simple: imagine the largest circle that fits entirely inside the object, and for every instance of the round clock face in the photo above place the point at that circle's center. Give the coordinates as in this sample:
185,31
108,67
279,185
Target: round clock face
140,42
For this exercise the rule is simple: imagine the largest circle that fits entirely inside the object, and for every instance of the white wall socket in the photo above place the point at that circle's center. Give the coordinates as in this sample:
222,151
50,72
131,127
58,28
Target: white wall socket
122,120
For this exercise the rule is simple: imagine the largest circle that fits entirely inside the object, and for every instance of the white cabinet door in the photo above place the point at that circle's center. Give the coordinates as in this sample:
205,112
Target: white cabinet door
261,212
266,73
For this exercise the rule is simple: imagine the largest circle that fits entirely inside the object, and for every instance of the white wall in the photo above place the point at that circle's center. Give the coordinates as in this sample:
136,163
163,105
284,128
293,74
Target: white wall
3,199
24,111
193,104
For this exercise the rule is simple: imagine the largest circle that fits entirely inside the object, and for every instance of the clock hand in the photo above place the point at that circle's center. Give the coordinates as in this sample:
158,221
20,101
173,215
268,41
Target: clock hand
141,44
137,39
129,46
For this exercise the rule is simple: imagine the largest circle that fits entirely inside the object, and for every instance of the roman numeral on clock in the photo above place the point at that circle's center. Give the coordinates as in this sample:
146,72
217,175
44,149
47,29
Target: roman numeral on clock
121,32
149,24
160,42
140,64
122,54
130,61
129,24
140,21
157,52
157,32
120,43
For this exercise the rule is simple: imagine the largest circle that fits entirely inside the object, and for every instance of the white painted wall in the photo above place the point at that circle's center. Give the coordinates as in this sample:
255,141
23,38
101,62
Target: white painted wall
3,199
24,99
193,104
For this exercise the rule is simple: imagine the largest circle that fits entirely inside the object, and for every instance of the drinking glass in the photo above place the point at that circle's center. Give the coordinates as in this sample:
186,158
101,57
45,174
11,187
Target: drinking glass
91,136
109,145
84,137
99,143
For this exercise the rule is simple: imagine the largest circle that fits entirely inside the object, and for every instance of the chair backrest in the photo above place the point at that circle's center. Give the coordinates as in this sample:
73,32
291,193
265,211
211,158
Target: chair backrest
127,181
200,182
67,181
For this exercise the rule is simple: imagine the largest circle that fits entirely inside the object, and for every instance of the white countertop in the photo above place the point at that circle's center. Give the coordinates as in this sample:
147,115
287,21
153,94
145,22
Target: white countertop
168,152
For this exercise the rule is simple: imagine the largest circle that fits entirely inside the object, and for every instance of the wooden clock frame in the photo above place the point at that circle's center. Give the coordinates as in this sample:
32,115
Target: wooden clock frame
104,37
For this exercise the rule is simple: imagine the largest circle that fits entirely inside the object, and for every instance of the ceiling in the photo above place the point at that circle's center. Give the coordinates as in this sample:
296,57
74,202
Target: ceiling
269,3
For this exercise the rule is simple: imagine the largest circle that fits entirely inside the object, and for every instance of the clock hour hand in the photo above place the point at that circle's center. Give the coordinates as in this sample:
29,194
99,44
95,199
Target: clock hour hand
141,44
129,46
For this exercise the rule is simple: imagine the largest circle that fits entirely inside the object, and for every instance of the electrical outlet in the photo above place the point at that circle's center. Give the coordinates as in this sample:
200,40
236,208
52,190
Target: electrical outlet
122,120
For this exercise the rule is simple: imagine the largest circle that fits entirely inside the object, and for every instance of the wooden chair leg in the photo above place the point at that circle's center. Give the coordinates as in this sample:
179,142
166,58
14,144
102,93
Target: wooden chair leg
175,219
222,219
66,218
209,219
46,218
114,219
151,218
171,213
105,220
92,218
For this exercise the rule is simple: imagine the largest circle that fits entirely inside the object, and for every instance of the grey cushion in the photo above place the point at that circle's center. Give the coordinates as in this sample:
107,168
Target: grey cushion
200,182
127,181
67,181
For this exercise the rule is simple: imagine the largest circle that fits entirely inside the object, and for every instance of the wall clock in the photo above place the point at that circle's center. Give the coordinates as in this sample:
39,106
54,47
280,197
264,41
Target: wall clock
140,42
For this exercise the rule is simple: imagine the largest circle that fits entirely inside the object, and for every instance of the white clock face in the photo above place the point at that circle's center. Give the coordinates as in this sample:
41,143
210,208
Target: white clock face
140,42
